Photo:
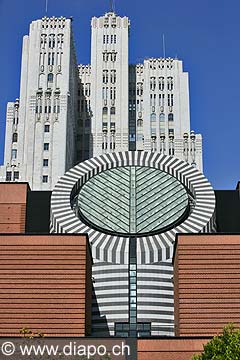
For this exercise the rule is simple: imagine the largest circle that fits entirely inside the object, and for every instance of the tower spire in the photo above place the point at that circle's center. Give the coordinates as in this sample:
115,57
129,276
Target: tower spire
111,6
164,46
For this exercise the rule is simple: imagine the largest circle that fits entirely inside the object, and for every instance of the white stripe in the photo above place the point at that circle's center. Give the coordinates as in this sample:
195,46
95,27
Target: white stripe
97,303
152,283
101,268
114,317
111,292
155,267
158,317
111,283
154,291
154,275
156,301
113,307
110,275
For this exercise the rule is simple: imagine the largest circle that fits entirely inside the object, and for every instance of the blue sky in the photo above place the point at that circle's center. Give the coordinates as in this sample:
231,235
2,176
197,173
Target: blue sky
204,34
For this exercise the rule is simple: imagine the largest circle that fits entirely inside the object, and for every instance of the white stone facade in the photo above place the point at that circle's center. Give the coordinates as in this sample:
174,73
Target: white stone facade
159,115
109,85
47,110
156,94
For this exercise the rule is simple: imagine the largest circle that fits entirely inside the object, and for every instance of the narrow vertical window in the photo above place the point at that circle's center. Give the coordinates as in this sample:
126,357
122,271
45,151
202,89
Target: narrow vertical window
14,153
161,83
8,175
153,124
46,128
16,175
45,162
45,178
14,137
46,146
50,78
169,103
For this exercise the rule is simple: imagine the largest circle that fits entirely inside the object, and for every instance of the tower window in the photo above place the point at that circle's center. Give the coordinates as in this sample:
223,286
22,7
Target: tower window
112,110
50,78
161,83
153,83
113,56
105,76
14,137
45,162
113,76
153,123
50,58
14,153
51,41
8,175
105,111
170,83
46,128
45,178
170,117
46,146
16,175
162,117
47,109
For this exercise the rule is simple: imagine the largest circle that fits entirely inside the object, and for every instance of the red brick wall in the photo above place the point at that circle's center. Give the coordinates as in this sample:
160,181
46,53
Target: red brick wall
206,283
169,349
43,282
13,199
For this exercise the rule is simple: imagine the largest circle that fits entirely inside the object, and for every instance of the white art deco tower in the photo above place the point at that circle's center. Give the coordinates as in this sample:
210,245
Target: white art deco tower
40,128
159,113
109,74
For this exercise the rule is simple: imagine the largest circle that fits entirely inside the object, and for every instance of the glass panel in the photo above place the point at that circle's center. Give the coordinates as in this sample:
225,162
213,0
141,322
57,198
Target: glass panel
119,326
147,327
133,320
122,334
133,200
